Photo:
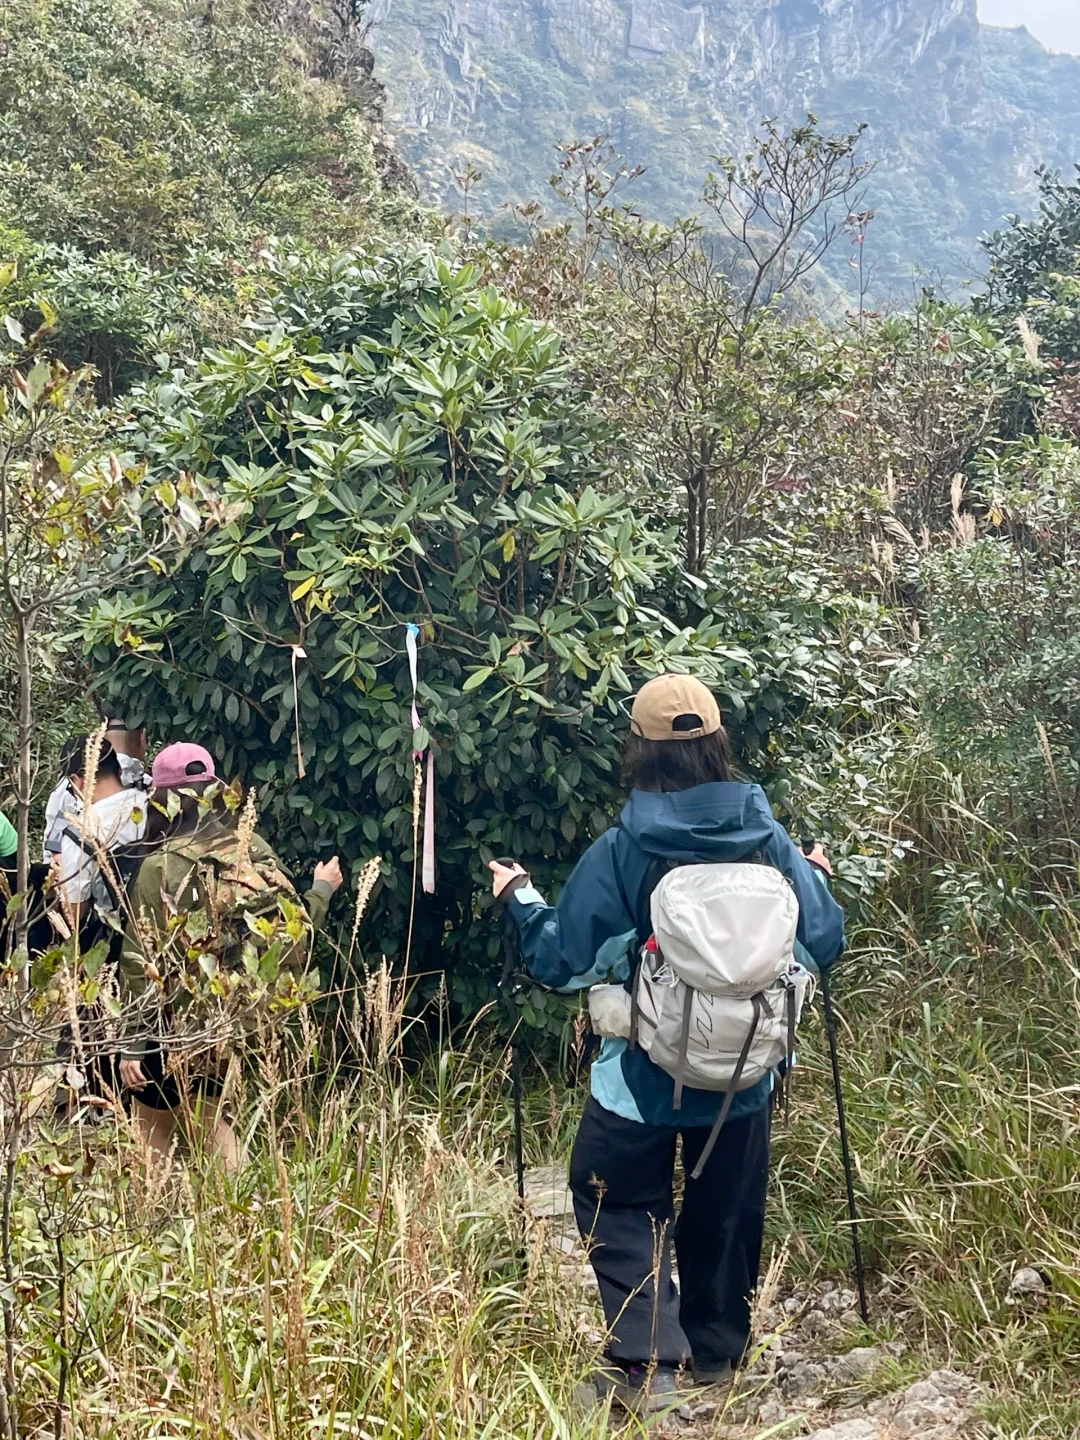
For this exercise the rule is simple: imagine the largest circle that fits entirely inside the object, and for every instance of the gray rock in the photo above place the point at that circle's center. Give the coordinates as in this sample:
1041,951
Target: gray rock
1027,1287
771,1413
948,1383
547,1194
805,1379
856,1365
932,1409
858,1429
835,1301
661,27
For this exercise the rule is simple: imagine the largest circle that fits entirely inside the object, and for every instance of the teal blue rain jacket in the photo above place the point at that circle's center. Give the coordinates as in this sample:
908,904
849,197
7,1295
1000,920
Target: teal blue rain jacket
602,917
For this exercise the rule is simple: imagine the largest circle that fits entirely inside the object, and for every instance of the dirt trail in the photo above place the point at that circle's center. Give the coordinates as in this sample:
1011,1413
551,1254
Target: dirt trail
811,1377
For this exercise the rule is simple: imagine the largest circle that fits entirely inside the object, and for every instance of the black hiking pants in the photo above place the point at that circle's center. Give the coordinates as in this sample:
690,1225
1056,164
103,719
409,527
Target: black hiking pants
621,1177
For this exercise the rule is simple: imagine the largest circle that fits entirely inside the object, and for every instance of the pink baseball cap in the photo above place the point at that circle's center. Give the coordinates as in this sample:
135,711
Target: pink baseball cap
181,764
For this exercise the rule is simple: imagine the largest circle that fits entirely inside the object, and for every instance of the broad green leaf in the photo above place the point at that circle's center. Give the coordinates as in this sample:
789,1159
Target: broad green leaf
477,678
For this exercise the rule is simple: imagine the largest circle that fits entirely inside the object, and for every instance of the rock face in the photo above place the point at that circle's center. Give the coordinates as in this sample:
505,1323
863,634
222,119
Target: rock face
959,114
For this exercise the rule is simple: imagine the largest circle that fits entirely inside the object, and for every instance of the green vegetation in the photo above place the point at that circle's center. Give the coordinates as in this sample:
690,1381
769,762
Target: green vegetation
149,156
255,417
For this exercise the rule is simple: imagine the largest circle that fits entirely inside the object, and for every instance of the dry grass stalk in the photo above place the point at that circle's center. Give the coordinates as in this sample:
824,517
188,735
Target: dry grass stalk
1029,339
364,886
246,829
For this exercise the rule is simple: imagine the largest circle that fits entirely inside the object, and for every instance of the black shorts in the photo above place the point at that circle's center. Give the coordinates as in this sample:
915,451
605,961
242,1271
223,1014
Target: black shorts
163,1088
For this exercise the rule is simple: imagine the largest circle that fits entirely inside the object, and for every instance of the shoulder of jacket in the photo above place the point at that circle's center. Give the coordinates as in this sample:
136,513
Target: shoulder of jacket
759,801
615,838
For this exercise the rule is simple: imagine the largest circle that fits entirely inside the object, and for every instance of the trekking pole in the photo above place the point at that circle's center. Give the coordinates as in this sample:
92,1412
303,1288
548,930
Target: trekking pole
506,979
845,1148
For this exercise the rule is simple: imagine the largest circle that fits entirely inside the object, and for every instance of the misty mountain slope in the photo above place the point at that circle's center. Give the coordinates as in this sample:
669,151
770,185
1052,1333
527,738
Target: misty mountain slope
959,114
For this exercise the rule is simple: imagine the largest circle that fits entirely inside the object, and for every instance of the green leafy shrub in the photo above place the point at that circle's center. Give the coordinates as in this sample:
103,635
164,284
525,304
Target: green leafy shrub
1000,678
396,444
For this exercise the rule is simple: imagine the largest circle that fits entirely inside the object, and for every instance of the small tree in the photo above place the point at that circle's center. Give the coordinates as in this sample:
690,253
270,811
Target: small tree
687,331
74,519
781,206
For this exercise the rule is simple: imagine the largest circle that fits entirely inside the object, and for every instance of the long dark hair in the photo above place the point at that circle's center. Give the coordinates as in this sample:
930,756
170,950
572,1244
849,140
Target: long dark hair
195,814
677,764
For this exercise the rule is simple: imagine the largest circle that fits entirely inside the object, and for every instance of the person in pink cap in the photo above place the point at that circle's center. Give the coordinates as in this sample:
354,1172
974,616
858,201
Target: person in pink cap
180,765
192,829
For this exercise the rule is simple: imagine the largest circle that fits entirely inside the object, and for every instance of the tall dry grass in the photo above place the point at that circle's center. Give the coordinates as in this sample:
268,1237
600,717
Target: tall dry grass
362,1275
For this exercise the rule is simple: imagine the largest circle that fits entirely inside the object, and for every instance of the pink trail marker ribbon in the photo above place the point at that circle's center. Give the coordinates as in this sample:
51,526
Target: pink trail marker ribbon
427,871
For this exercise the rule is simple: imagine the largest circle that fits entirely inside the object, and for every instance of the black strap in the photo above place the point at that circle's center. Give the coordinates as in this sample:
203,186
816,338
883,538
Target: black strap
87,846
93,850
684,1044
789,1075
714,1133
635,1007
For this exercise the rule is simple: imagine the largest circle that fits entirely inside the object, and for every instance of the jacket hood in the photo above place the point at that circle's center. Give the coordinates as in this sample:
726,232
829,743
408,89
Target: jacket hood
724,821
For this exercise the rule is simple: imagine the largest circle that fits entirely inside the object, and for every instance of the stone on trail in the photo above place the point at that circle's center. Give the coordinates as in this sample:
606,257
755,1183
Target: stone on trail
855,1365
547,1194
860,1429
936,1408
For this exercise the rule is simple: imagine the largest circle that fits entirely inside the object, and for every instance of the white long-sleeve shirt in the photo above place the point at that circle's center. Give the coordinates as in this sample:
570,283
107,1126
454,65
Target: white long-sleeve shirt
65,803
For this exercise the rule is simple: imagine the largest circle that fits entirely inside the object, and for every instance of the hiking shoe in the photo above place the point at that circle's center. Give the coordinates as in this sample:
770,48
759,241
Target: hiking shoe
720,1373
639,1389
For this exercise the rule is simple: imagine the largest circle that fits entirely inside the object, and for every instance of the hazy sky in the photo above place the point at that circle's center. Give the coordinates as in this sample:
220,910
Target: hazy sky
1055,22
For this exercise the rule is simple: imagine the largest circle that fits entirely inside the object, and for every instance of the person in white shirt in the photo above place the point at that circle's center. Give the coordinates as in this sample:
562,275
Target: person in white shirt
65,802
130,747
112,815
90,820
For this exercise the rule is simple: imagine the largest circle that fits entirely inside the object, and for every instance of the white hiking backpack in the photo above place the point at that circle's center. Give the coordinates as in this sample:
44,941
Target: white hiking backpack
718,993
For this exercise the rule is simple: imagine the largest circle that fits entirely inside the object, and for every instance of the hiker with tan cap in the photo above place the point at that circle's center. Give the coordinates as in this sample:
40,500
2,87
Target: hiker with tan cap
709,920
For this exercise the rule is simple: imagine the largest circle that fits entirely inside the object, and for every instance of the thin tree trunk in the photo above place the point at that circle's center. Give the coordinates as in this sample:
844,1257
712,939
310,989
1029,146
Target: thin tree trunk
9,1391
691,555
60,1414
23,794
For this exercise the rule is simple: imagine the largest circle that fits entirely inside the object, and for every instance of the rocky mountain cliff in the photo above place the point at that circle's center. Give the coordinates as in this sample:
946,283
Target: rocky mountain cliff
959,114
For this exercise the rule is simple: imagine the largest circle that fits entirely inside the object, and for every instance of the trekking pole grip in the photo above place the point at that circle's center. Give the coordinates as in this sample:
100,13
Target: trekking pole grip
515,883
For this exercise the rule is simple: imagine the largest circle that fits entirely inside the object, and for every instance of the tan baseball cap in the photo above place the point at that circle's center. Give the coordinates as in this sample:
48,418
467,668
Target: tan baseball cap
666,699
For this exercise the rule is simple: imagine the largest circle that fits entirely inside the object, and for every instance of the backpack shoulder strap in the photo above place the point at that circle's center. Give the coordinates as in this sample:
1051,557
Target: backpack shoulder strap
684,1045
101,874
85,844
714,1134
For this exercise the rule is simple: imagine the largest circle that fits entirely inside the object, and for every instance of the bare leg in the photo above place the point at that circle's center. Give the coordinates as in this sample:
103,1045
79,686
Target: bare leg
155,1128
209,1133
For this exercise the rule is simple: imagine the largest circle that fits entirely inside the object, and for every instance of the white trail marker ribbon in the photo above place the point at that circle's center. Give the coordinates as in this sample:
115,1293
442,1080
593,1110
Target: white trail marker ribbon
427,873
298,653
